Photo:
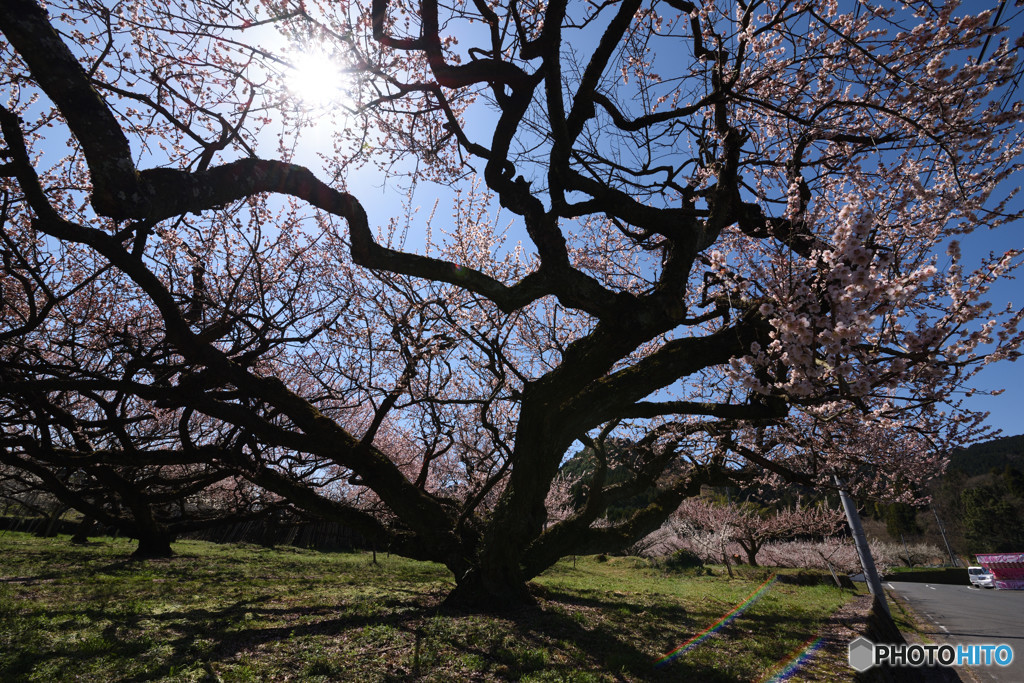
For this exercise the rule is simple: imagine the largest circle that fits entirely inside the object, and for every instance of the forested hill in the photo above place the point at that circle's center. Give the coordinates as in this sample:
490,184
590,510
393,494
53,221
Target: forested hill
982,457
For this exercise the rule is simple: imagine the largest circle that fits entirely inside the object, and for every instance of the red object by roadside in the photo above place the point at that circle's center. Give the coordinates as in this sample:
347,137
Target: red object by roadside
1007,568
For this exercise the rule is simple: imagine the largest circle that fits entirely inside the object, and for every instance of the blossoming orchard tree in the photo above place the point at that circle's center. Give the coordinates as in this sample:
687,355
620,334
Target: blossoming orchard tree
717,525
734,215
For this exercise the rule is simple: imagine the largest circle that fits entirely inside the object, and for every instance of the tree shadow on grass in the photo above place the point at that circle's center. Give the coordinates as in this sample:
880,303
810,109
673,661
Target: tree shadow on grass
399,635
631,647
423,641
185,636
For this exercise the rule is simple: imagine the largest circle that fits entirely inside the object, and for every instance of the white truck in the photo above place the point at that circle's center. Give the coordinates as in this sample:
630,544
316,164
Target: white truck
981,577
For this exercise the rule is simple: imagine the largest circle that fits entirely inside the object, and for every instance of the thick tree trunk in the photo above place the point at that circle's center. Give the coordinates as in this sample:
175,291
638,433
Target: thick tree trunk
153,546
491,589
495,578
490,576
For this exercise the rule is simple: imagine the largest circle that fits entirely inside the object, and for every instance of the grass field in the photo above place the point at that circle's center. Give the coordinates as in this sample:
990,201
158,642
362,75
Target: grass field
247,613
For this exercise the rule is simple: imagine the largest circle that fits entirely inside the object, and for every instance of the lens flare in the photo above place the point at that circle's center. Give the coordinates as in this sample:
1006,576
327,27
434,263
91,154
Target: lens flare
726,619
316,79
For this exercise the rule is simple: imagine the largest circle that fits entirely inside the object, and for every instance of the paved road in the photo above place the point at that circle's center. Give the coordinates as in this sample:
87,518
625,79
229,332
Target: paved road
961,614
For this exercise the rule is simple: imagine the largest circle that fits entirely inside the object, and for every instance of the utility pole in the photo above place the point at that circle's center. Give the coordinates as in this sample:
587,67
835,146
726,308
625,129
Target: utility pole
867,562
942,530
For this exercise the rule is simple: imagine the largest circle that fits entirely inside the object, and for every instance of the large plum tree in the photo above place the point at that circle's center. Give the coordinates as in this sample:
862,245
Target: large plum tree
735,216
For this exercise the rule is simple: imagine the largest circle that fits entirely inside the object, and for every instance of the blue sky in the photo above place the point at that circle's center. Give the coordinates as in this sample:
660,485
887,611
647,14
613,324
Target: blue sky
1007,409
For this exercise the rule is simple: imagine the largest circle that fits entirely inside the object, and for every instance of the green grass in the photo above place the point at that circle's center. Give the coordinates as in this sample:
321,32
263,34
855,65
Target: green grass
246,613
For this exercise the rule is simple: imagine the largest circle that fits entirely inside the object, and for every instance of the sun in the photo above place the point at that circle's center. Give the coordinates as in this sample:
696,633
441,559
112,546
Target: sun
316,79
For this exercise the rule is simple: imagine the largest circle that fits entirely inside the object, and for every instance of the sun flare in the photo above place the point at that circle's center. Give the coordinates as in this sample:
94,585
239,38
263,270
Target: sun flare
316,79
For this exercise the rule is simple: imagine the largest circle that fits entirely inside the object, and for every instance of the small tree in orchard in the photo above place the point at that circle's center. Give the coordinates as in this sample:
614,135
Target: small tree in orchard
142,482
718,221
708,531
716,527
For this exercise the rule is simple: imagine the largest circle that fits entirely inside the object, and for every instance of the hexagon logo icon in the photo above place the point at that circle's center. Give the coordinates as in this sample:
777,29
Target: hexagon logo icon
862,654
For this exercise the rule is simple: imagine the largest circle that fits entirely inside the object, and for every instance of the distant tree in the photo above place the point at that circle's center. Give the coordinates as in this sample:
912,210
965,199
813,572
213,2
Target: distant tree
125,468
837,554
1013,481
153,504
992,519
900,519
734,214
24,500
752,527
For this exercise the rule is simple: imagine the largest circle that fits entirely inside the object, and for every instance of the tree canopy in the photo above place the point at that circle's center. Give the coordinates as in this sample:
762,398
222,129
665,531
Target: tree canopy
741,227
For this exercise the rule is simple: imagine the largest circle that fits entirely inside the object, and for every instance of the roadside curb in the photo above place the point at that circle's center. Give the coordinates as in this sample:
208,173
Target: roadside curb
858,618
